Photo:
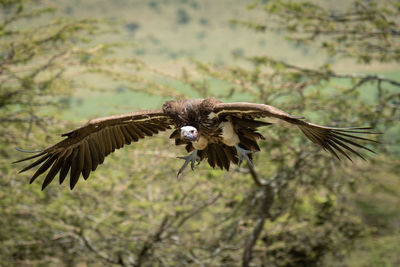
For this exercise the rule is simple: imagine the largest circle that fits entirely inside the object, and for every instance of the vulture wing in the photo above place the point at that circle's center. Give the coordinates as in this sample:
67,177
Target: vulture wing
86,147
335,140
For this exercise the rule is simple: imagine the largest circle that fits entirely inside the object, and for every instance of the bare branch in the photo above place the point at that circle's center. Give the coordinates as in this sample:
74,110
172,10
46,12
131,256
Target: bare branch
151,240
101,255
265,203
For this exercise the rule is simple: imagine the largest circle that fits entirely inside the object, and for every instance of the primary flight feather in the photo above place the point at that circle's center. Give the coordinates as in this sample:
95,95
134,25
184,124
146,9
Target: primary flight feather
222,133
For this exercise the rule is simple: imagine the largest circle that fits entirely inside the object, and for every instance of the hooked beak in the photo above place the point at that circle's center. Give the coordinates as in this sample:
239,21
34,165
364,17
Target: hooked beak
189,136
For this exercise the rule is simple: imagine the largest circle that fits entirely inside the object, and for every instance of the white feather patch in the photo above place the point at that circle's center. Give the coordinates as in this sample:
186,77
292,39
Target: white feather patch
201,143
229,137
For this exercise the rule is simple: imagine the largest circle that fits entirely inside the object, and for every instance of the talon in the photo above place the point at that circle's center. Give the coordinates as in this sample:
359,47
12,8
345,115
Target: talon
243,153
192,165
192,158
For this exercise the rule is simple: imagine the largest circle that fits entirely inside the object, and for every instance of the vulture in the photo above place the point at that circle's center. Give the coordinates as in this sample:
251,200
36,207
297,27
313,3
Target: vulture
222,133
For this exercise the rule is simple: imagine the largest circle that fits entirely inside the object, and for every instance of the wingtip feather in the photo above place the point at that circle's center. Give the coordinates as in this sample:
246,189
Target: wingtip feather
28,158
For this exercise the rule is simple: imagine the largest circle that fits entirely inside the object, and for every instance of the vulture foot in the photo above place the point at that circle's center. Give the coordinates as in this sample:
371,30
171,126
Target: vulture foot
243,153
192,158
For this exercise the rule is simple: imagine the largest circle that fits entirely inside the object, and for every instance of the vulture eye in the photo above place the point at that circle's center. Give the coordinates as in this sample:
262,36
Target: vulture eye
191,131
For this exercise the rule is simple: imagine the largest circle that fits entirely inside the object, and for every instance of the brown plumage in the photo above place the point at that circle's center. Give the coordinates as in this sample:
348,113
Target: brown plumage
222,130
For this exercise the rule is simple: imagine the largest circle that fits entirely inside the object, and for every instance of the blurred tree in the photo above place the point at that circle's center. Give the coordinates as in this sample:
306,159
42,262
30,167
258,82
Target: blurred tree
311,216
366,30
34,63
298,211
38,56
182,16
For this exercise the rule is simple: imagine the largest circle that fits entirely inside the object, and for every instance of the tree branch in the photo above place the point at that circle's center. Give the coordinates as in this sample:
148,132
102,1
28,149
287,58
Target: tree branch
101,255
265,203
151,240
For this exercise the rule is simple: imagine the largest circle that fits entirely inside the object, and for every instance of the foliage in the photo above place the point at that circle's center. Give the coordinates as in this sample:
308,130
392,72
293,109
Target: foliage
34,63
364,30
297,210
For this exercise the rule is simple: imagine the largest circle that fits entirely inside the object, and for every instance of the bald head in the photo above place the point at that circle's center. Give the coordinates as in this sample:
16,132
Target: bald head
189,133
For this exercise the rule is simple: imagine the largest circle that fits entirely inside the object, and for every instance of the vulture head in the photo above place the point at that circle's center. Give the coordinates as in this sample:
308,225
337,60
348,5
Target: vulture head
189,133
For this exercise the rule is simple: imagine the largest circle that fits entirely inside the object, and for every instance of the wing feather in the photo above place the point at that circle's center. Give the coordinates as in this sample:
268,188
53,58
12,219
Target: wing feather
151,127
87,166
337,147
85,148
66,166
105,139
218,156
98,142
137,131
127,136
53,171
175,134
356,137
337,136
121,137
135,137
35,163
75,172
347,147
211,156
144,129
224,162
111,139
43,167
28,158
332,139
230,152
94,153
244,109
118,137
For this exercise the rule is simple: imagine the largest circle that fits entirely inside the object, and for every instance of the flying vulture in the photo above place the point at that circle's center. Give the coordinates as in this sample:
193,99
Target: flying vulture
222,133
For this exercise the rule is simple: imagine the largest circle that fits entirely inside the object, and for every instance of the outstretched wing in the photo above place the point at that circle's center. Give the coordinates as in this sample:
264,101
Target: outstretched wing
335,140
86,147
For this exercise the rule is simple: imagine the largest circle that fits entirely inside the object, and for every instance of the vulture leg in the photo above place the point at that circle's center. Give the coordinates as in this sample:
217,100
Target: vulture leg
242,153
192,158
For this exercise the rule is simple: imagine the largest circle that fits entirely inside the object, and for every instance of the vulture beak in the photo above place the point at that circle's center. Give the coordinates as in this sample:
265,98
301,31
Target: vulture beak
189,133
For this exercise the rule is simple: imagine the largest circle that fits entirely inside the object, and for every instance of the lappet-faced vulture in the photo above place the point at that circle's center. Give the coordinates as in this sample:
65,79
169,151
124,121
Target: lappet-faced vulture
222,133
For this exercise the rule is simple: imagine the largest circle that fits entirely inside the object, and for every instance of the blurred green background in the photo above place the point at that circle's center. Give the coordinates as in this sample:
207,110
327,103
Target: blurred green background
112,57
